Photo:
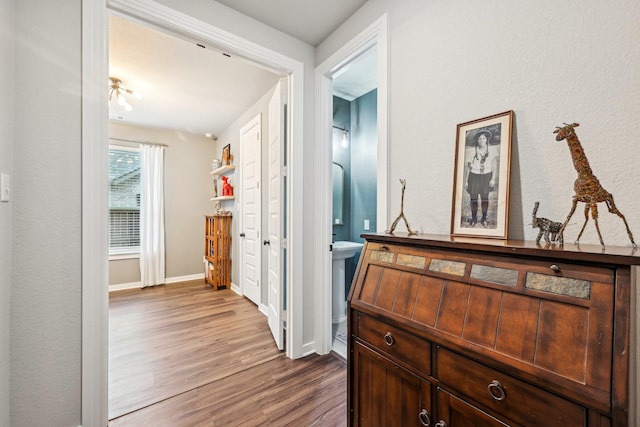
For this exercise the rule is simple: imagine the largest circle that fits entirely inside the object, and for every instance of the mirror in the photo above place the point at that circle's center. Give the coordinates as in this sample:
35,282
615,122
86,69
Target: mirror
338,193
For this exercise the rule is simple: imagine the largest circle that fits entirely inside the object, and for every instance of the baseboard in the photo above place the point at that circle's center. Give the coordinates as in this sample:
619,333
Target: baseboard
168,281
235,288
308,348
263,309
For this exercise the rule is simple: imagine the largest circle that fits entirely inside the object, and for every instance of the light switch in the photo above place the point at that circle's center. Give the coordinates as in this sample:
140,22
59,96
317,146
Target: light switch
5,187
366,224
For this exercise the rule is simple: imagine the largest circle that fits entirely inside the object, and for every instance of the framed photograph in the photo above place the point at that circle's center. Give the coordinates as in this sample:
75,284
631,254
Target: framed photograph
226,155
482,168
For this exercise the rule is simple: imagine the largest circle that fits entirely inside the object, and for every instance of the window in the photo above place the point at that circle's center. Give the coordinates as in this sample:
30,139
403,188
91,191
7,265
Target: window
124,200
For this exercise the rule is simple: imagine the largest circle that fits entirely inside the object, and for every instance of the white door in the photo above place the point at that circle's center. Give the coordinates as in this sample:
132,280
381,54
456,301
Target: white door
250,205
276,242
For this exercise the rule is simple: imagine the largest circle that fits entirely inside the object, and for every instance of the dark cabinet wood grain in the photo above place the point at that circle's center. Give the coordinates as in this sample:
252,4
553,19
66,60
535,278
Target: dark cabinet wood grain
496,332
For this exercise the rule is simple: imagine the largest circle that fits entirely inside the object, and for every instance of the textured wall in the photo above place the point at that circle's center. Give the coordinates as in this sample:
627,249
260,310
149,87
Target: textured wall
46,293
6,166
188,188
551,62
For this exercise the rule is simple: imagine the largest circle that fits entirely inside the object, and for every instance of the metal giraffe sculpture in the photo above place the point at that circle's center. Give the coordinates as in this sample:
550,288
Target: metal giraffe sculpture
401,216
587,187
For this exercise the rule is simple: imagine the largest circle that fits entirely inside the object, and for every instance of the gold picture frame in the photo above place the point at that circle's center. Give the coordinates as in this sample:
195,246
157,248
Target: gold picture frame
482,169
226,155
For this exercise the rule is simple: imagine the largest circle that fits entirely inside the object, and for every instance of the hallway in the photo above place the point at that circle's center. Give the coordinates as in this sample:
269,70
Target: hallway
184,355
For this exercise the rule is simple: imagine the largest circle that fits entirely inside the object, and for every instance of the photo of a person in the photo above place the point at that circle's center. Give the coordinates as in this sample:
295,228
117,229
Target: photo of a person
480,177
482,170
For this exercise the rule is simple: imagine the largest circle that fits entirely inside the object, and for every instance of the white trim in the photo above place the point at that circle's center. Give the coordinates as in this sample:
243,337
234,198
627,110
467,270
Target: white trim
263,309
308,349
95,194
168,281
125,255
374,35
95,236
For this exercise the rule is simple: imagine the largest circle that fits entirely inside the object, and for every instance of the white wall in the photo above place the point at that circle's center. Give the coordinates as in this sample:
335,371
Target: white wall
46,292
231,135
551,62
6,166
188,189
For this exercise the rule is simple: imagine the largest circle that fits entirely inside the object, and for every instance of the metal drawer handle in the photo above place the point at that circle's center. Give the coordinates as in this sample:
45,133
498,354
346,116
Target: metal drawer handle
554,267
496,391
441,424
423,416
388,338
384,247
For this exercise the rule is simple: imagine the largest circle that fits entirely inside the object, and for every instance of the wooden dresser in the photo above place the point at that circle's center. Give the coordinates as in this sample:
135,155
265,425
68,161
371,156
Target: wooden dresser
466,332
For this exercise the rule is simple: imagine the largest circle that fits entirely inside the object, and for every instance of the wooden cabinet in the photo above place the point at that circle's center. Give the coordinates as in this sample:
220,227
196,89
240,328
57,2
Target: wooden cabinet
217,250
479,332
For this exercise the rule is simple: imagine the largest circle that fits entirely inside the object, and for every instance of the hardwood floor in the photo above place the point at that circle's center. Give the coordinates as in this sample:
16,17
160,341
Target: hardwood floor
185,355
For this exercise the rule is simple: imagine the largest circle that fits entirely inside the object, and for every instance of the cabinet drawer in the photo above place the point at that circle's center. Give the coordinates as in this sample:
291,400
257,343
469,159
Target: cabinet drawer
403,346
517,400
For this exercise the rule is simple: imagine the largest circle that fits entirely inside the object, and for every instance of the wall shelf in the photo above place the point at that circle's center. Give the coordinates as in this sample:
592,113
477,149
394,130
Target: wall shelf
222,170
222,198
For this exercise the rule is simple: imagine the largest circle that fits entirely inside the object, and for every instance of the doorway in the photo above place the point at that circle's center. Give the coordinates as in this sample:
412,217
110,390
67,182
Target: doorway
370,45
94,194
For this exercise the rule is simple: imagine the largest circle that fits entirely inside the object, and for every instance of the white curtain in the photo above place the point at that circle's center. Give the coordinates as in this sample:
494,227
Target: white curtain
152,215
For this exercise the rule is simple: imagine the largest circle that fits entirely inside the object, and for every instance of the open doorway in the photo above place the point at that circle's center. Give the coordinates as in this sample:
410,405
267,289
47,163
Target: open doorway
352,153
95,220
188,92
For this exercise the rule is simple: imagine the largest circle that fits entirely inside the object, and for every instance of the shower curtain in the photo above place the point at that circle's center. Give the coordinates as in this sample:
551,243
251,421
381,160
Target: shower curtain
152,251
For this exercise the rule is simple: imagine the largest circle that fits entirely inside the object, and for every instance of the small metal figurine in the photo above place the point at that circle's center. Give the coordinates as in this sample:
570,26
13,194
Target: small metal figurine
587,187
401,216
551,230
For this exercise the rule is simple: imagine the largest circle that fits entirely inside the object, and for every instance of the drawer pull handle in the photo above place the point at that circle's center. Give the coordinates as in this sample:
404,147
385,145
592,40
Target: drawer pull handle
554,267
384,247
441,424
496,390
388,338
423,416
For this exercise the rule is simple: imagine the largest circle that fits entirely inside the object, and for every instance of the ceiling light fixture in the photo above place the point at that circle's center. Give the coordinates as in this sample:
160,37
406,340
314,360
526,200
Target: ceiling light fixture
117,90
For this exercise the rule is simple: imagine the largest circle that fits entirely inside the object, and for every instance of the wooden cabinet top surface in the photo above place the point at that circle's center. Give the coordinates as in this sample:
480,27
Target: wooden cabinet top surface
613,255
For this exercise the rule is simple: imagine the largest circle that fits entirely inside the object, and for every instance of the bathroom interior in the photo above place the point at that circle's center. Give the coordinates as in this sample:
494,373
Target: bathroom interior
354,193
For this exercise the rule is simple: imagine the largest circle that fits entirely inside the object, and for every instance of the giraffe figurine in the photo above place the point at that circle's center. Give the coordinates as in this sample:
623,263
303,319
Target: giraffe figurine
587,187
401,216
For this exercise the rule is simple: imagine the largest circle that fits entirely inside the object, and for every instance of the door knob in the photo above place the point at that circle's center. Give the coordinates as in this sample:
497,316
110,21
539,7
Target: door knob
266,242
242,234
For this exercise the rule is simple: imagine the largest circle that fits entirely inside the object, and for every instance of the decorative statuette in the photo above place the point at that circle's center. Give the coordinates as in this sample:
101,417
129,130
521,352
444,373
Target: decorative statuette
587,187
551,230
401,216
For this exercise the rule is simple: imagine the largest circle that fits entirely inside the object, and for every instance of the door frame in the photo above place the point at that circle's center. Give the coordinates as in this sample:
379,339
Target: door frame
375,35
95,299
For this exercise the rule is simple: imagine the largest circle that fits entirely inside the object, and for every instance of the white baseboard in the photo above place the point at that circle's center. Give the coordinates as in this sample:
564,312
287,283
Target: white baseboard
168,281
263,309
235,288
308,348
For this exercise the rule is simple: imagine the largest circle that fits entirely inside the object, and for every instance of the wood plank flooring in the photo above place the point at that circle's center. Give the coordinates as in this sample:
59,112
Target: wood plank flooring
184,355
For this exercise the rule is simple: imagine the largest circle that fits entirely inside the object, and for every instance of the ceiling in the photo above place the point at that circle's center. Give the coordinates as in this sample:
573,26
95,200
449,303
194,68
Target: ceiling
311,21
195,89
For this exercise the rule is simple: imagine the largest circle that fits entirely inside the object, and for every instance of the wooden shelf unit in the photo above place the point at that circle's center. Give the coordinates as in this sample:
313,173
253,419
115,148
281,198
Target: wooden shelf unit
217,250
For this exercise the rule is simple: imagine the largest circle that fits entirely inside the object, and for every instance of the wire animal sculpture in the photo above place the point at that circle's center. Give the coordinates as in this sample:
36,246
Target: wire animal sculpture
587,187
551,230
403,182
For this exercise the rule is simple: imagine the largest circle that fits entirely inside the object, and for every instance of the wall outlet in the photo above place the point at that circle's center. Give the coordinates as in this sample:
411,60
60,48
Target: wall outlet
366,224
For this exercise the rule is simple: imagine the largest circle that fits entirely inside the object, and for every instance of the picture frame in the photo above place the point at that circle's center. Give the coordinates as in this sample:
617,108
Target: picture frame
226,155
480,202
